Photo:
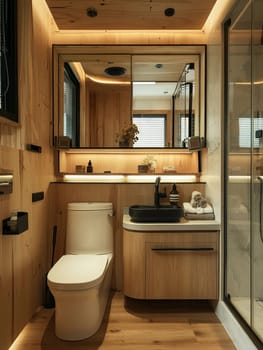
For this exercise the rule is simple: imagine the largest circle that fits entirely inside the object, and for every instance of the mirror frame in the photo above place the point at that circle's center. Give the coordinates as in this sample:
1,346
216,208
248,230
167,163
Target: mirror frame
64,53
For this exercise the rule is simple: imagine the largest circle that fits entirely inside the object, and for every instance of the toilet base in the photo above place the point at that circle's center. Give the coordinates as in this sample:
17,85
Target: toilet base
79,314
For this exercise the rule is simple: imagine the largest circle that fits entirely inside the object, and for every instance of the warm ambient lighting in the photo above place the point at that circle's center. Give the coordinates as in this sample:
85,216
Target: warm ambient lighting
248,82
106,81
244,178
144,83
220,7
164,178
239,178
19,340
128,178
94,178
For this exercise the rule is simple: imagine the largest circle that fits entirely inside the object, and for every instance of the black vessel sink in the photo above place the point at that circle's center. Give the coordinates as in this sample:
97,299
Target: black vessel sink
151,213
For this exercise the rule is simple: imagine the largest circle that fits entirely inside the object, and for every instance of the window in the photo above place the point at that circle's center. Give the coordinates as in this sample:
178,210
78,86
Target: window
151,130
245,132
71,106
8,60
184,128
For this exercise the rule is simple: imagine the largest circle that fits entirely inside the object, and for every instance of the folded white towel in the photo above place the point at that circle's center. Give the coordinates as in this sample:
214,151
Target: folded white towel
189,209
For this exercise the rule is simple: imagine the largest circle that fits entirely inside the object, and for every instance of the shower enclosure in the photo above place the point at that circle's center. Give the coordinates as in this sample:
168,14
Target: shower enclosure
243,164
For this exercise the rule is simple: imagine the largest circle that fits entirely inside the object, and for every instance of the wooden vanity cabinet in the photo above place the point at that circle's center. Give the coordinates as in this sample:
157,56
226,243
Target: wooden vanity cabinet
171,265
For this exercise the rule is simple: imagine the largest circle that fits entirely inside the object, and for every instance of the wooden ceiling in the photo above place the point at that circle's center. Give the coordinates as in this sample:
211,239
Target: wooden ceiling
130,14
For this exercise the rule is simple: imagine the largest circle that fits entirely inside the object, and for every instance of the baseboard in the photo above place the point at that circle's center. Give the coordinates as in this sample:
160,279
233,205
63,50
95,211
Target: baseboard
237,334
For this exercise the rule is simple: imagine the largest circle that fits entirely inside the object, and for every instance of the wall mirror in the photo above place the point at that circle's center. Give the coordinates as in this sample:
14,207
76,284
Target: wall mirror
99,91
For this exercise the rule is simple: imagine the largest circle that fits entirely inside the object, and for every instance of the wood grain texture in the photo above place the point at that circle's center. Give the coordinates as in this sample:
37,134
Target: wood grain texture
23,258
129,324
151,274
117,14
184,162
178,274
109,112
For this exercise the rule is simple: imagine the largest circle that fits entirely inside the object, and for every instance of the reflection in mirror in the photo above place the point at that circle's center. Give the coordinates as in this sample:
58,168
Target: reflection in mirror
185,124
163,100
160,93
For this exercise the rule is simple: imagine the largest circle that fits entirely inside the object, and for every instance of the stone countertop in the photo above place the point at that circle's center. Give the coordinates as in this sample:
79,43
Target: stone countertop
183,225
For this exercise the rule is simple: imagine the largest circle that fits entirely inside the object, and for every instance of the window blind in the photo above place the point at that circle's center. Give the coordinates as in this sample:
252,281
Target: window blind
151,130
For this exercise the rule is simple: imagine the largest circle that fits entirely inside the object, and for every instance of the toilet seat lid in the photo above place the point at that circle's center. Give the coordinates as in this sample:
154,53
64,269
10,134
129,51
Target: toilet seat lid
76,272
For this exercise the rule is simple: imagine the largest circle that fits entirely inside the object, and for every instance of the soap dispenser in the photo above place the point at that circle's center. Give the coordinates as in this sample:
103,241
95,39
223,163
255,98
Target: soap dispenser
174,196
89,167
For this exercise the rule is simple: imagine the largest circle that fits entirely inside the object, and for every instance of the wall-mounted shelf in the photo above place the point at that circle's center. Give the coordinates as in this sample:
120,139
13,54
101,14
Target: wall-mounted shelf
14,227
126,161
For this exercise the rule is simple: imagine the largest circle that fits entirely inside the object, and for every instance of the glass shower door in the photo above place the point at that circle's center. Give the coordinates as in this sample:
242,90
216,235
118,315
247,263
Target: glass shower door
244,165
238,163
257,189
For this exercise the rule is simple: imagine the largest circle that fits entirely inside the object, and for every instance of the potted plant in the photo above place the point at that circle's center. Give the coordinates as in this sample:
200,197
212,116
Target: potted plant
127,136
150,162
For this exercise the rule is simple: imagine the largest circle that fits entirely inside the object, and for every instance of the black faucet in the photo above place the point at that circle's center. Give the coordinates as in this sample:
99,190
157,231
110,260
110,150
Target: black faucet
157,194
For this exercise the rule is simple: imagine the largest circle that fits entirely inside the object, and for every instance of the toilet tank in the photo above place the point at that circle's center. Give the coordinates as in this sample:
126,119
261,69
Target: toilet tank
89,228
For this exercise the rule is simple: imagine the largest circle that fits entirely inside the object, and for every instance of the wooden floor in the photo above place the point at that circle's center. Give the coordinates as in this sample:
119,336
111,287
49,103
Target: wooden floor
140,325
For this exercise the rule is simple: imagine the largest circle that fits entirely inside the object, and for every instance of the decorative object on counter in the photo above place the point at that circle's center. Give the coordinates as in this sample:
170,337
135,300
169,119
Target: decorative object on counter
174,196
80,168
142,168
194,143
197,201
150,162
89,167
198,208
127,136
168,169
16,223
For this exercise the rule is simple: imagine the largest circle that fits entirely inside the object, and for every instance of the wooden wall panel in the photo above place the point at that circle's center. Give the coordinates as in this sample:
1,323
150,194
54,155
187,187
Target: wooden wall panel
110,111
9,159
24,258
6,292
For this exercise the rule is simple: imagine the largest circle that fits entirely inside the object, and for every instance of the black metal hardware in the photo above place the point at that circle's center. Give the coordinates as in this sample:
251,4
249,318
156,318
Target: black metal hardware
182,249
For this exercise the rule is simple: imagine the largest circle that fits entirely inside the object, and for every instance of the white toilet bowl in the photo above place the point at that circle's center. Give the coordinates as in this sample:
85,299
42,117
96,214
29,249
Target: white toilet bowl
80,280
80,285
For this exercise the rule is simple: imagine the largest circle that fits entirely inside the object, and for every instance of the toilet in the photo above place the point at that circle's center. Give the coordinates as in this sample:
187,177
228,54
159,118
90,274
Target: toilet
80,280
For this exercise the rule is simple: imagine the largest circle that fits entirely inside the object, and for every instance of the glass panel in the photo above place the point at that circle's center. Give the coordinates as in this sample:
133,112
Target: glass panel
257,193
238,164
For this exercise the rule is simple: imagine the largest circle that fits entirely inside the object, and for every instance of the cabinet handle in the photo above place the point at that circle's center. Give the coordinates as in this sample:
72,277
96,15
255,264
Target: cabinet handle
168,249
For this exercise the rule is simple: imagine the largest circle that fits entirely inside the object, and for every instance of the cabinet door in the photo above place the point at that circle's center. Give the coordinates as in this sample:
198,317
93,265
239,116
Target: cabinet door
181,271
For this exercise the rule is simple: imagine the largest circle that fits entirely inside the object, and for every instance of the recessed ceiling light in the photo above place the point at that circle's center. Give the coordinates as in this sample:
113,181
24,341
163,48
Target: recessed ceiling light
115,71
169,12
92,12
